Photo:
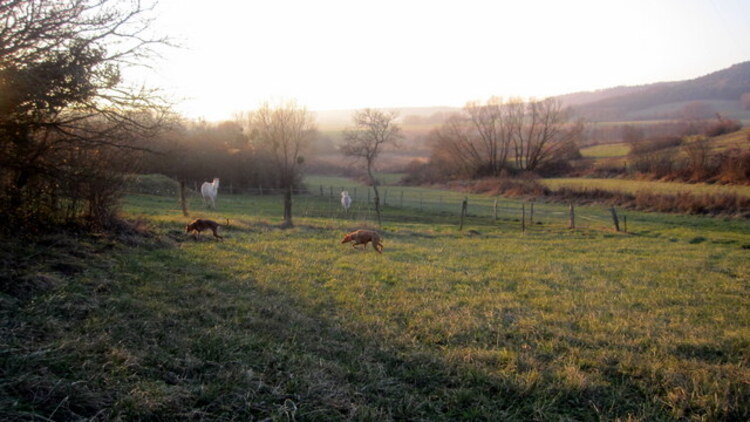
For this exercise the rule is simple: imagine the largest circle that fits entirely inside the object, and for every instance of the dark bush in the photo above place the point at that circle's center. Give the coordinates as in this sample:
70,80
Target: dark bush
656,165
421,173
525,185
722,127
655,144
735,167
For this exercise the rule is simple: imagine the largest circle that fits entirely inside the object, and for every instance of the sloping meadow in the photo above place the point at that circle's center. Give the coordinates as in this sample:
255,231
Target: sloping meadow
487,323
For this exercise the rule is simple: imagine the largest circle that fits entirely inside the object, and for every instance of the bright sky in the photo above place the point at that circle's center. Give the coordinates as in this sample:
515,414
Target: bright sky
331,54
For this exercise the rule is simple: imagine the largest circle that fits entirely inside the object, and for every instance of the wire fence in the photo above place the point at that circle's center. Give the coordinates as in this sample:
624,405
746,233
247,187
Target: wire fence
529,214
401,203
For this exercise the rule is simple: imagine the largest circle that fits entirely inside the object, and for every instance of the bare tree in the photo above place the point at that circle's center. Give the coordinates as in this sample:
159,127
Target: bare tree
63,95
632,134
285,131
541,129
372,130
454,147
481,141
493,133
697,150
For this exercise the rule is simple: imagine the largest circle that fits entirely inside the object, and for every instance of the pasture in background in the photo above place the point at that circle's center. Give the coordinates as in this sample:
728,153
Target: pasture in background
634,186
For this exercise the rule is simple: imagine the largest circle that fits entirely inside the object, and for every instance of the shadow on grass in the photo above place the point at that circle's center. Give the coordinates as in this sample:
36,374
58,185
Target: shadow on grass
149,333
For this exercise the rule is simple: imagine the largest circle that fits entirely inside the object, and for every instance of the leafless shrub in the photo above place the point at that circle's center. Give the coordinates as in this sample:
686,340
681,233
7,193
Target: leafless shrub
654,144
487,139
698,164
689,203
721,127
525,185
735,167
644,200
423,173
612,167
656,165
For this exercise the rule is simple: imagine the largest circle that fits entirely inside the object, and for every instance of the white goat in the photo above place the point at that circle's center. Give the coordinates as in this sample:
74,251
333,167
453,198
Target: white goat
209,191
346,200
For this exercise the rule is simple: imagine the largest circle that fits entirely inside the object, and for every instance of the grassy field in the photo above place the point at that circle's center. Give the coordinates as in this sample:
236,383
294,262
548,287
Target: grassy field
735,140
739,140
633,186
484,324
606,151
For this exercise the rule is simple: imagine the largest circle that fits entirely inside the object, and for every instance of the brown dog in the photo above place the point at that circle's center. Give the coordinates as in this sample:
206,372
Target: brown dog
200,224
361,237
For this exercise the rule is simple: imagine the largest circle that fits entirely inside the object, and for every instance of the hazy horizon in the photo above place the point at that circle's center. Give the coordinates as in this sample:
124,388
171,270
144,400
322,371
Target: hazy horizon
341,55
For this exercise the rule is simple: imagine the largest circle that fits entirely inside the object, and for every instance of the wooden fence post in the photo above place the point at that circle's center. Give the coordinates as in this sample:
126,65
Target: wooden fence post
385,197
531,214
572,224
464,205
615,219
183,200
494,210
260,189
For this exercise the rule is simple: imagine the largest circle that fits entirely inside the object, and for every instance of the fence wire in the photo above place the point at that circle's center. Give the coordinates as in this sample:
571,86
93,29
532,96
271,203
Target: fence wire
324,201
527,214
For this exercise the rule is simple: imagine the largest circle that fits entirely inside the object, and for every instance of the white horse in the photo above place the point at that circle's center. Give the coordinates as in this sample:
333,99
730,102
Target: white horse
209,191
346,200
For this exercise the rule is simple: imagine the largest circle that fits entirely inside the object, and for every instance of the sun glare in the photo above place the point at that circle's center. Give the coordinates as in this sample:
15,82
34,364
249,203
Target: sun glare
341,55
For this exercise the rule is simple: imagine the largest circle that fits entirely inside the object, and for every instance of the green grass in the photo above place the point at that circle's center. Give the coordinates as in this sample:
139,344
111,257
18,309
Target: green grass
735,140
606,151
633,186
485,324
613,153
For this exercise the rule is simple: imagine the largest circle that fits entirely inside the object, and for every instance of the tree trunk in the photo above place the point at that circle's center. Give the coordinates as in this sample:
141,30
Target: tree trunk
375,190
16,191
288,208
377,201
183,201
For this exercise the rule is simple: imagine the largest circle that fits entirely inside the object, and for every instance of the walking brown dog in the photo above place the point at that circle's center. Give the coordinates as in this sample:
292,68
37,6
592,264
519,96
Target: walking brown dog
361,237
200,224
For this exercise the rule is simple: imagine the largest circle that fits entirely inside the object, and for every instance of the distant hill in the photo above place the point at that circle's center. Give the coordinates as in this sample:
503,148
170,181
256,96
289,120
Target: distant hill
719,91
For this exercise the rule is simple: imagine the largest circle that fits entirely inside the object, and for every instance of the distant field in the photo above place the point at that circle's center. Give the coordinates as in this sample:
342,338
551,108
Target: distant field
606,151
739,140
633,186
